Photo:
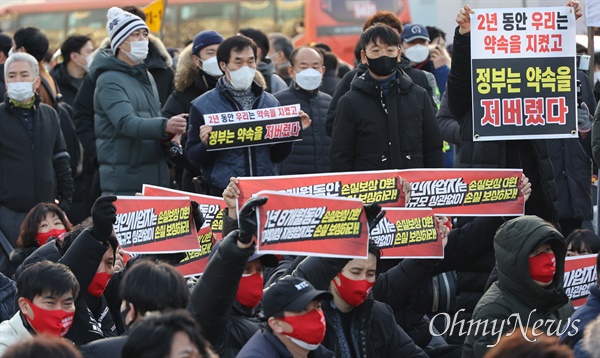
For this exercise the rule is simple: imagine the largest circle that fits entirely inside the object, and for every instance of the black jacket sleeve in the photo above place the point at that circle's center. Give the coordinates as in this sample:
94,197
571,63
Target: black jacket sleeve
449,126
459,78
398,283
195,150
319,271
83,118
342,88
214,294
83,258
432,137
62,167
343,139
229,224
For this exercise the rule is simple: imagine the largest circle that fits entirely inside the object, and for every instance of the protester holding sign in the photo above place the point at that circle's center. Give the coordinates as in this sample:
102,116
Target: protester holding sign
385,121
235,91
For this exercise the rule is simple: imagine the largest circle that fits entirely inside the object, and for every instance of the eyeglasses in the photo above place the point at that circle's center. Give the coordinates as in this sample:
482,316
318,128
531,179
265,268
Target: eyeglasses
377,52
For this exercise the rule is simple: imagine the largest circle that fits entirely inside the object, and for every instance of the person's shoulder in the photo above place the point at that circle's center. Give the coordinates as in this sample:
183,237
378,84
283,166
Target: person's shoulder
268,100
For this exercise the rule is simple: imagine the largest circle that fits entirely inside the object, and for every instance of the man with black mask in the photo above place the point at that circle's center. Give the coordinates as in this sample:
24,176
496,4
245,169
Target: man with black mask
385,121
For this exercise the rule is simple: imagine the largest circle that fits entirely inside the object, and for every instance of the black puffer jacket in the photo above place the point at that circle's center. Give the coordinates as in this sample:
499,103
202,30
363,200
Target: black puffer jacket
530,155
66,84
403,135
311,154
8,297
417,76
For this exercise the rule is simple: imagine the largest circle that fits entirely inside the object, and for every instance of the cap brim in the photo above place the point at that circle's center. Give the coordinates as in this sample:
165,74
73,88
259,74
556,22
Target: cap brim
267,260
299,303
412,38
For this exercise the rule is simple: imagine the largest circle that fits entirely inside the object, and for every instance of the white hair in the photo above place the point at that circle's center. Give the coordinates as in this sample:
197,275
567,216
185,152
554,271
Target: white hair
25,57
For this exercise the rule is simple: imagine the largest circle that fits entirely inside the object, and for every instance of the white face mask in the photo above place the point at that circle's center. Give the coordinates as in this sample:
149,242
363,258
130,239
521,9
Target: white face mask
309,79
87,63
242,78
139,51
20,91
596,76
417,53
211,67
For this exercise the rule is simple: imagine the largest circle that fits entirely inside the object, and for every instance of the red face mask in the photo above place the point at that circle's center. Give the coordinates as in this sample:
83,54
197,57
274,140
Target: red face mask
354,292
55,322
542,267
308,328
42,237
250,290
96,288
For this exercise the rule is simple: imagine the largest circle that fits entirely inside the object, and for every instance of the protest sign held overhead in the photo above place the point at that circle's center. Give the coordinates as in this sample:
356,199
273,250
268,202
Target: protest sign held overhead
466,192
155,224
195,261
383,187
312,226
210,206
408,233
523,73
254,127
580,273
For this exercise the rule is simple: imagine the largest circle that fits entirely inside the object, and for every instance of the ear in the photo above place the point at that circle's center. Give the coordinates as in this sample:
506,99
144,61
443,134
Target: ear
72,56
37,83
25,308
197,61
323,70
223,67
291,71
275,325
363,57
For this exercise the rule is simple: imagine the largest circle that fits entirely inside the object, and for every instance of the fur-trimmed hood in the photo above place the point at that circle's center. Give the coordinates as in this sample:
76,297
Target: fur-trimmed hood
186,70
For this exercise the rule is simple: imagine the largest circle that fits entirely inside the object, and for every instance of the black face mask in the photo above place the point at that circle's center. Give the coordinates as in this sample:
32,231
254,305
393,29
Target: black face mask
124,315
382,66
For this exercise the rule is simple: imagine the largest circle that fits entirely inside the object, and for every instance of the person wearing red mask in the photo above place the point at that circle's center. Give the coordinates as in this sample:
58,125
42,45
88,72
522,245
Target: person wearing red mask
43,222
226,298
47,293
296,323
530,260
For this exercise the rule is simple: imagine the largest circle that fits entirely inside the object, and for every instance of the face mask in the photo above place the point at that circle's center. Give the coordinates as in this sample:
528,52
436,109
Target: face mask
96,288
42,238
87,63
417,53
383,66
124,317
211,67
309,329
250,290
55,322
354,292
596,76
20,91
542,267
242,79
139,51
309,79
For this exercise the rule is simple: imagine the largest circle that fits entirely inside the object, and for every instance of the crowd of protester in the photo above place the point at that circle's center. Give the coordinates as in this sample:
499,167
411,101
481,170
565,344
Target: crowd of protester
105,120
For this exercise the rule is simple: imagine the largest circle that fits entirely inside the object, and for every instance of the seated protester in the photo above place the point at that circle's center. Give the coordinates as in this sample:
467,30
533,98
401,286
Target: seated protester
173,334
357,325
47,292
530,259
42,346
146,287
584,314
45,220
582,242
296,324
226,297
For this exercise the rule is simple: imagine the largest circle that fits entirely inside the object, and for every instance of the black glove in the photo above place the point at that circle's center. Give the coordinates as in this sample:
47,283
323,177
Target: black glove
247,219
374,214
197,215
104,215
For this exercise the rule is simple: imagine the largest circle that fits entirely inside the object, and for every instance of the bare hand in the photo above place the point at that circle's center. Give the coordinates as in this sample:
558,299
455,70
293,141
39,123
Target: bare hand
230,194
119,260
405,189
525,187
439,56
463,19
204,133
441,223
305,119
176,125
576,8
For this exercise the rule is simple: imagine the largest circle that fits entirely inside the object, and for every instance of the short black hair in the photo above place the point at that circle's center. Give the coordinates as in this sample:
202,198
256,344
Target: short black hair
331,62
260,39
46,277
282,43
33,40
152,337
236,43
584,238
154,286
73,43
385,34
297,49
136,10
5,43
435,32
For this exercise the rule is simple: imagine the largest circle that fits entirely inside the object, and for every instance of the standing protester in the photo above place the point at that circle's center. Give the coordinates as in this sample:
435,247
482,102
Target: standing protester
128,121
5,46
311,154
280,48
265,66
47,292
27,121
295,322
77,53
385,121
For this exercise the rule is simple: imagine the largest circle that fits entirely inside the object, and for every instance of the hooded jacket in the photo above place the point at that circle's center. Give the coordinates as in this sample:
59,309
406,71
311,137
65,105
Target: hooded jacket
67,85
515,301
128,125
274,83
373,131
